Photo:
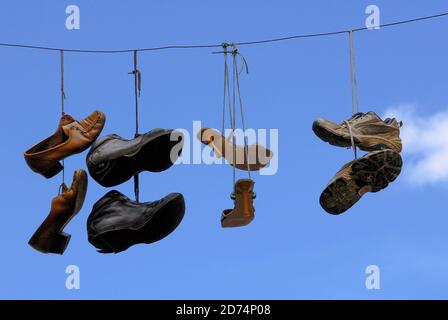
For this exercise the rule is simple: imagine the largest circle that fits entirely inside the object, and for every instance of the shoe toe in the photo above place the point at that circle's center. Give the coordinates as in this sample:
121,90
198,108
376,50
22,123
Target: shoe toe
324,123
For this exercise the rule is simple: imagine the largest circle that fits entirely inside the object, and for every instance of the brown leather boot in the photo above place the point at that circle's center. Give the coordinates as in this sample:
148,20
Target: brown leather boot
71,137
371,173
257,156
244,212
369,132
49,237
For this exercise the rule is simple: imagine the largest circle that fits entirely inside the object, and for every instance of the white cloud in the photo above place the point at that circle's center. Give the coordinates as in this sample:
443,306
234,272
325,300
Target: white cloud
425,144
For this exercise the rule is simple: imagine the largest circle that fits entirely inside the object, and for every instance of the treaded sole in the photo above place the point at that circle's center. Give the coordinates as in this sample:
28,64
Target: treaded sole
371,173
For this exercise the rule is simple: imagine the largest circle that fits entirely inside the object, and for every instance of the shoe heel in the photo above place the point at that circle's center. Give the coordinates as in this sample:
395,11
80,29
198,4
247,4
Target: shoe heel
59,243
56,243
54,170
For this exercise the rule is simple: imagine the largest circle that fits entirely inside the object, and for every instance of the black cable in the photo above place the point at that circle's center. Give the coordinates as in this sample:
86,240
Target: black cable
312,35
107,51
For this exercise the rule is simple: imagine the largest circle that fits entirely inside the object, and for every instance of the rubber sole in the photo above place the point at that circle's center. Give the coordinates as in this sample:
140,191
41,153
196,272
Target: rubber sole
163,223
371,173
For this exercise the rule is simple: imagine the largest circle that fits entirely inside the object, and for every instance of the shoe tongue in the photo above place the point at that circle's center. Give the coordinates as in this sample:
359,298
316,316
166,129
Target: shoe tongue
66,129
373,114
64,123
357,115
360,114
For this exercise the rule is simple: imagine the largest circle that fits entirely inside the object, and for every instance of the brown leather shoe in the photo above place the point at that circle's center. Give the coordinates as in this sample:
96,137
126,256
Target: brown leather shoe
369,132
49,237
257,156
244,212
71,137
371,173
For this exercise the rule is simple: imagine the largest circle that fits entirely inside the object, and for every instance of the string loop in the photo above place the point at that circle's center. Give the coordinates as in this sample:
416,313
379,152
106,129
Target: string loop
137,90
353,77
232,97
62,110
237,73
354,87
244,65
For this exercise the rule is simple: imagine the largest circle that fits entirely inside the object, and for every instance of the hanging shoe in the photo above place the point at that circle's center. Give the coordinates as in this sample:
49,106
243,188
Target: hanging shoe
369,132
49,237
71,137
371,173
117,223
113,160
257,156
244,212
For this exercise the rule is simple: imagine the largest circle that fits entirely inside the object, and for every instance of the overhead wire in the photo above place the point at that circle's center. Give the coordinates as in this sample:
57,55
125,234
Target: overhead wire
209,46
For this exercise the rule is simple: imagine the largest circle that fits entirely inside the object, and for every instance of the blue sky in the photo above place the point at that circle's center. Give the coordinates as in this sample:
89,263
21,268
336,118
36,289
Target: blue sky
293,249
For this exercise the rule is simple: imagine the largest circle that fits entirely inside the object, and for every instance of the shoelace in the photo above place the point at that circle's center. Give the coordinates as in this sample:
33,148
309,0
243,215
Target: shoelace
351,138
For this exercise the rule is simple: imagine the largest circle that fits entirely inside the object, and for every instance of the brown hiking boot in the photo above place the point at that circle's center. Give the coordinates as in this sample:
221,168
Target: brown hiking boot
371,173
369,132
257,156
71,137
49,237
244,212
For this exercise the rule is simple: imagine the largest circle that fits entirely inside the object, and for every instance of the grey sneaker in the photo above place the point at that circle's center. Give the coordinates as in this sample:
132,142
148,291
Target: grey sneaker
369,132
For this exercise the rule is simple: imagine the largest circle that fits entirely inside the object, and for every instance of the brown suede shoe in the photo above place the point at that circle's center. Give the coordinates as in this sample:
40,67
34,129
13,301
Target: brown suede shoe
244,212
257,156
49,237
371,173
71,137
369,132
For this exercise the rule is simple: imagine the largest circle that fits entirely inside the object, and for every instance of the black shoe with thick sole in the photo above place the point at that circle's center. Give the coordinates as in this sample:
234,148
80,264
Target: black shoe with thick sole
113,160
117,222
